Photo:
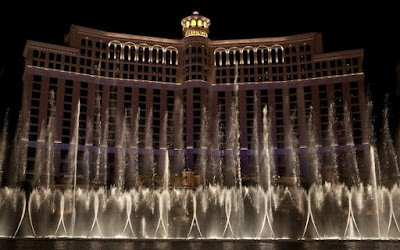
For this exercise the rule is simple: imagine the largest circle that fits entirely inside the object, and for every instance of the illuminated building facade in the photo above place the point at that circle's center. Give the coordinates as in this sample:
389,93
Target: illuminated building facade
120,74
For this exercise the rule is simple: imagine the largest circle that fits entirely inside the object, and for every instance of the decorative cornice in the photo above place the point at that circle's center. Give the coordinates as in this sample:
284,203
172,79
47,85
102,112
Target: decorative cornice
50,47
267,40
339,55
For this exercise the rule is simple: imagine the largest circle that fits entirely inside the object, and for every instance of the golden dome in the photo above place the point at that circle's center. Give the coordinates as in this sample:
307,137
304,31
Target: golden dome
195,25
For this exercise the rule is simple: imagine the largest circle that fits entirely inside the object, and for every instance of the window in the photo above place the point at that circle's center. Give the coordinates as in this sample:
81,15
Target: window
37,78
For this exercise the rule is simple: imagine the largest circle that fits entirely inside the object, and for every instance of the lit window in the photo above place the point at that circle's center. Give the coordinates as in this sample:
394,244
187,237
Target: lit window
187,24
193,23
199,23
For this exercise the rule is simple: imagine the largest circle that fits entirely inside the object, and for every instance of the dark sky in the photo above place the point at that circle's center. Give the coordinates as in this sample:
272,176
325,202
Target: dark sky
343,24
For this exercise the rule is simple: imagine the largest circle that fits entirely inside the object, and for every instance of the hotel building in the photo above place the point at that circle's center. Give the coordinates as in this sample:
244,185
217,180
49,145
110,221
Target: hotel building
113,74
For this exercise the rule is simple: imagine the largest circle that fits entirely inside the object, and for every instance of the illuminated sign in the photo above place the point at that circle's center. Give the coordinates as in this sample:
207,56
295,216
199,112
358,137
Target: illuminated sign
191,32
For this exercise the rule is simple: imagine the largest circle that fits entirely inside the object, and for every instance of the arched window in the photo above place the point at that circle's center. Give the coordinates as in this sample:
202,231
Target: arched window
223,55
231,58
245,57
280,56
154,56
115,50
174,58
199,49
217,58
234,56
160,55
293,49
266,56
118,52
133,53
146,55
140,54
126,53
260,56
111,55
273,56
277,54
251,56
220,57
157,54
168,59
194,50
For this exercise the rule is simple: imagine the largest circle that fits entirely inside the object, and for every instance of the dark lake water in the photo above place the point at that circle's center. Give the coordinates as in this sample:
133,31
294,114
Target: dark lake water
83,244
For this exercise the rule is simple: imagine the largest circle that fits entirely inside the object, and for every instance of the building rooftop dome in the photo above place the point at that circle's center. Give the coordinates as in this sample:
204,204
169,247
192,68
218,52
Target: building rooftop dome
195,25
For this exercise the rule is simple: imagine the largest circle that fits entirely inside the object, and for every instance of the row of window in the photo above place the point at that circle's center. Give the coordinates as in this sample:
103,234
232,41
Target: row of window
290,72
143,101
145,54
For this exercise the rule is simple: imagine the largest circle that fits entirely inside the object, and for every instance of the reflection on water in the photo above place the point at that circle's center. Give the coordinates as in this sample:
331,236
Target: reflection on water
62,244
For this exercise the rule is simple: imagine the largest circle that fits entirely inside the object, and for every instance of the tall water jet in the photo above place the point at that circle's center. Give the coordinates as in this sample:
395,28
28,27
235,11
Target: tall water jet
233,169
375,176
166,175
389,164
256,141
178,113
39,157
148,168
132,168
123,143
397,145
313,157
215,175
204,147
3,146
267,171
44,159
292,157
73,164
16,175
164,162
353,175
85,164
86,159
73,151
97,141
330,162
49,150
104,151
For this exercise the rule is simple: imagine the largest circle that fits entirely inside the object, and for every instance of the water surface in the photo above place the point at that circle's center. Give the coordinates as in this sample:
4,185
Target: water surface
61,244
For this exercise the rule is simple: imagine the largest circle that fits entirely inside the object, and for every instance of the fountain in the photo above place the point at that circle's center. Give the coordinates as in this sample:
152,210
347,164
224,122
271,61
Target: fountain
220,207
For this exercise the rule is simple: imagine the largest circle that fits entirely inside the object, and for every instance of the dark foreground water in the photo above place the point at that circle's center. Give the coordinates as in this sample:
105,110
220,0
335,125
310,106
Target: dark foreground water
83,244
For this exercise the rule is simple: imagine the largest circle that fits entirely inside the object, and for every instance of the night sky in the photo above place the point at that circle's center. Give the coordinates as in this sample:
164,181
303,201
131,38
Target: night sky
344,26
